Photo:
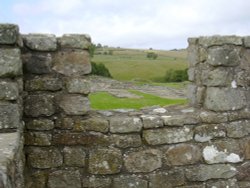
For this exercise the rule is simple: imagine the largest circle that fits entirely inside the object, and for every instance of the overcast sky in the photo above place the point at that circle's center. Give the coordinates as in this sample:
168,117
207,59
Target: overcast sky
160,24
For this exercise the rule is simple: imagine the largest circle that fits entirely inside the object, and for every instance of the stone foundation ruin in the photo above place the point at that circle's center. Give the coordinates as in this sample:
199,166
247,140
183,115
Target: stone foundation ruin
49,137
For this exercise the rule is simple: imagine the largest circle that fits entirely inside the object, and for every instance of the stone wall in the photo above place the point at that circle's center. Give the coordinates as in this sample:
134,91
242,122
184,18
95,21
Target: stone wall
204,145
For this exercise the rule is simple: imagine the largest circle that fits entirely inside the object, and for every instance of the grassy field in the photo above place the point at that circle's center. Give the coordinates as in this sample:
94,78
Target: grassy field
128,64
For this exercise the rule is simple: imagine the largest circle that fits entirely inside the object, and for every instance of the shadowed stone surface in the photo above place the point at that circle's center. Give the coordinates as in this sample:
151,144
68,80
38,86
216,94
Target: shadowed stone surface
75,41
74,156
96,182
131,181
8,90
40,124
8,33
9,115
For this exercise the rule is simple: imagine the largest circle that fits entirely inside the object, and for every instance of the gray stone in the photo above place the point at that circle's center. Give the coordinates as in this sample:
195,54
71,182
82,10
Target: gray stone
92,124
238,129
171,178
191,74
40,42
247,41
224,99
143,161
217,40
180,120
78,85
40,124
79,41
9,115
151,121
74,156
44,157
225,56
37,138
39,105
8,90
207,172
232,183
193,186
212,117
244,171
8,33
244,184
195,95
193,55
96,182
125,124
10,62
168,135
72,63
74,104
36,179
105,161
37,63
64,123
64,178
126,141
239,115
129,181
183,154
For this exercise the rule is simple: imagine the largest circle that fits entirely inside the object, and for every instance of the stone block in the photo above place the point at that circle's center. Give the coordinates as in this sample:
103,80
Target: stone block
105,161
193,55
74,156
72,63
143,161
74,104
180,120
78,41
244,184
37,138
212,117
129,181
9,115
36,179
232,183
238,129
244,172
168,135
218,40
96,182
37,63
151,121
64,123
224,99
44,157
39,105
40,124
183,154
8,90
8,33
40,42
247,149
247,41
125,124
207,172
126,141
10,62
78,85
64,178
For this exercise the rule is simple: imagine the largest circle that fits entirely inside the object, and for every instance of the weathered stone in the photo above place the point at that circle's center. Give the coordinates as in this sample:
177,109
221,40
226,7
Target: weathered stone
247,41
64,178
74,104
10,62
40,42
195,95
219,40
244,171
87,139
8,33
180,120
44,157
244,184
37,63
151,121
212,117
96,182
92,124
193,186
183,154
44,83
167,135
105,161
36,180
74,156
9,115
193,55
73,63
126,141
78,41
37,138
129,181
238,129
225,56
143,161
39,105
171,178
125,124
224,99
232,183
208,132
78,85
247,149
8,90
239,115
65,123
206,172
40,124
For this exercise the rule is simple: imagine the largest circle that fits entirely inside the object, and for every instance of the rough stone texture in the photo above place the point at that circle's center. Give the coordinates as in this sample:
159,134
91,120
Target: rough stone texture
105,161
37,138
238,129
36,180
40,124
180,120
247,149
40,42
75,41
212,117
8,90
167,135
39,105
206,172
74,156
64,178
73,63
143,161
232,183
244,184
247,41
10,62
125,125
9,115
78,85
126,141
74,104
64,123
129,181
151,121
220,40
8,33
244,171
96,182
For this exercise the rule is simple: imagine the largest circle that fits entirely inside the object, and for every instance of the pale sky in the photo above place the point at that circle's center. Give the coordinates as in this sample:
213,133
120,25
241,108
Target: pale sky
159,24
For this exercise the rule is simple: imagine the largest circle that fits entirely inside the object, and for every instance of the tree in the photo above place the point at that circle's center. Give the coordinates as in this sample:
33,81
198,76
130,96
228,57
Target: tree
100,69
92,50
152,55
